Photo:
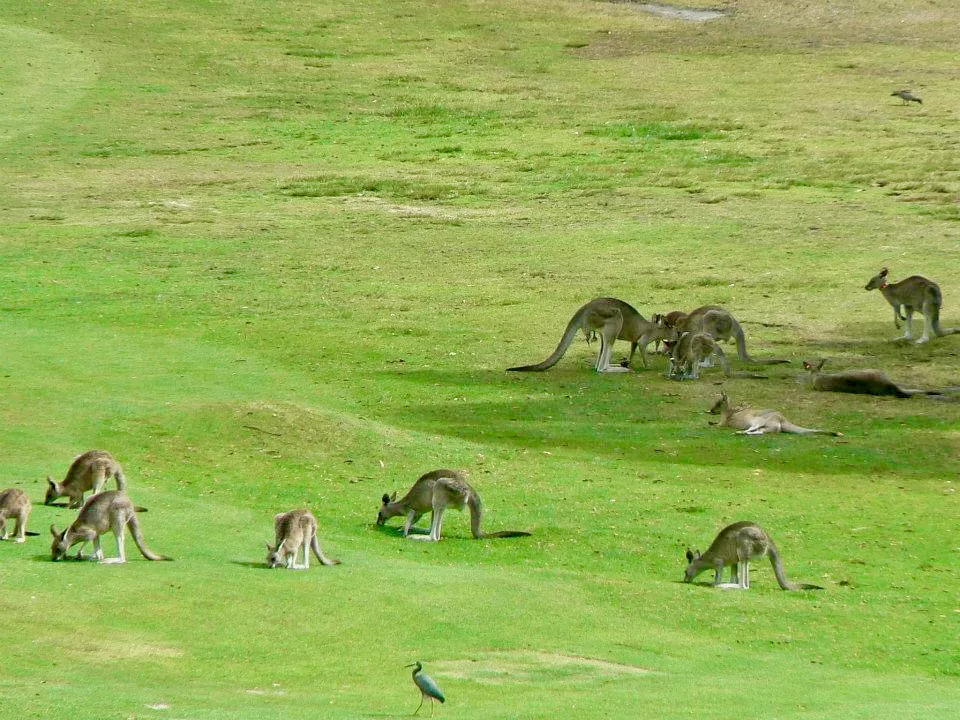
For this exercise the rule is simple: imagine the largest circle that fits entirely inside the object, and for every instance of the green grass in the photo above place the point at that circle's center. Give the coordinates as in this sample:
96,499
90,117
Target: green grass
279,254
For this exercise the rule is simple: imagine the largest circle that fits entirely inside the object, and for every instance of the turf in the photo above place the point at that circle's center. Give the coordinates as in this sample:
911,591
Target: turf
274,255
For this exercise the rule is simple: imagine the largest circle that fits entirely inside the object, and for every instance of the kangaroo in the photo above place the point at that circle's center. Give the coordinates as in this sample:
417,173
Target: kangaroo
106,511
861,382
720,324
750,421
433,492
14,503
613,320
735,546
687,355
295,529
914,294
88,471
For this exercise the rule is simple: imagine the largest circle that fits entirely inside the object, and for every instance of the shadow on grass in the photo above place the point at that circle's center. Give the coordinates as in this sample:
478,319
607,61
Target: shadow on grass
617,418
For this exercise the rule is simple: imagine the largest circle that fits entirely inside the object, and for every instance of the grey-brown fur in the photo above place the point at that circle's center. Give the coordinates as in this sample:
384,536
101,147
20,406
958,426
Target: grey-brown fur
296,531
14,503
109,511
88,471
860,382
907,96
753,421
434,492
734,547
718,323
914,294
612,320
691,352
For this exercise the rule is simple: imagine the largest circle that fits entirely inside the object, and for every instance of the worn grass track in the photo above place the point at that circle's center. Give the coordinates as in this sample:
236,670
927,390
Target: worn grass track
279,255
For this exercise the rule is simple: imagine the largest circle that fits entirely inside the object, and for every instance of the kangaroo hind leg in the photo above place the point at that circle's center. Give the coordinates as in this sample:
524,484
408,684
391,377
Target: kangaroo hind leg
608,336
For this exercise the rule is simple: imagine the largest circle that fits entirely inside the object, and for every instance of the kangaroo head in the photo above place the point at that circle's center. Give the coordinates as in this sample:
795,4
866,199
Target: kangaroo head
877,281
385,512
693,568
813,366
53,492
722,403
275,555
59,547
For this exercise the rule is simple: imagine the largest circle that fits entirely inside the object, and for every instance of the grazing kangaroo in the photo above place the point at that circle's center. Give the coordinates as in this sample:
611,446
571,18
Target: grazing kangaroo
88,471
104,512
735,546
861,382
14,503
914,294
613,320
718,323
750,421
296,530
434,492
688,354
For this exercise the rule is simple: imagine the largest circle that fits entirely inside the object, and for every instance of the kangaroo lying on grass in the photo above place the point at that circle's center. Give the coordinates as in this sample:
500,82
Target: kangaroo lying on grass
296,530
862,382
612,320
690,353
716,322
14,503
750,421
735,546
107,511
88,471
915,294
434,492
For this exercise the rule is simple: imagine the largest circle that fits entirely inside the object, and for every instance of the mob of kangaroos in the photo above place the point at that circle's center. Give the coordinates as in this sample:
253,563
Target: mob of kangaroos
751,421
434,492
88,471
719,324
296,530
613,320
109,511
691,352
914,294
734,547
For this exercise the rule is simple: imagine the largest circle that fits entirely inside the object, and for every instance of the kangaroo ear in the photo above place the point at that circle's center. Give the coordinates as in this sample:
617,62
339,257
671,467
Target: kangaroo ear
820,364
385,498
394,496
51,482
269,547
883,272
53,530
689,555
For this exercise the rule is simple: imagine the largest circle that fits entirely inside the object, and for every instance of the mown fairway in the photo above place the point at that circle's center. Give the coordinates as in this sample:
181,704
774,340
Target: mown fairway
279,254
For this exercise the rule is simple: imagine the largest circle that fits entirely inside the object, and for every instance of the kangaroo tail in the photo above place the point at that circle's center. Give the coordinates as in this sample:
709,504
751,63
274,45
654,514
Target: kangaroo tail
782,579
572,327
121,480
315,546
742,349
506,534
789,427
476,515
935,303
141,545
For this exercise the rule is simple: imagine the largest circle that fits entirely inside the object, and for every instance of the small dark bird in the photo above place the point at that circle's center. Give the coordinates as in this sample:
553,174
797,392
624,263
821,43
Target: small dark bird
426,685
907,97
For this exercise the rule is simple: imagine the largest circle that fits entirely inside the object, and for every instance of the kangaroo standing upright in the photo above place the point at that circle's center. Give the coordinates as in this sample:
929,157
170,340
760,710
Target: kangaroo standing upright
750,421
914,294
735,546
613,320
88,471
295,530
14,503
105,512
434,492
